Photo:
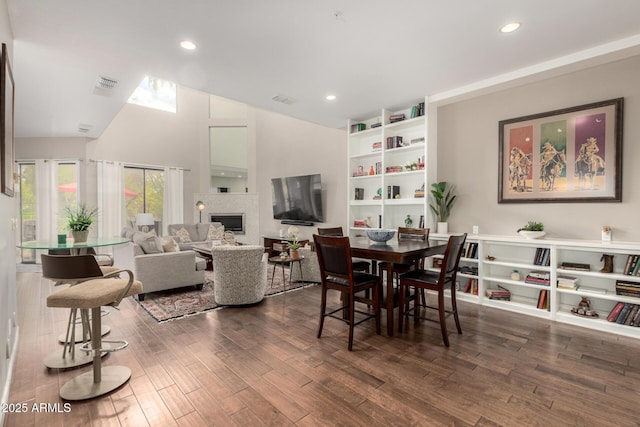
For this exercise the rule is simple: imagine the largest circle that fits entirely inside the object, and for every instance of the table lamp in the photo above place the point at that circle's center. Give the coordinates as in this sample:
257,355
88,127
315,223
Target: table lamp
144,220
200,206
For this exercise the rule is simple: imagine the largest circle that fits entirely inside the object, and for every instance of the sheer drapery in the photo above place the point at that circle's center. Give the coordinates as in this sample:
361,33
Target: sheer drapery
46,199
111,199
173,209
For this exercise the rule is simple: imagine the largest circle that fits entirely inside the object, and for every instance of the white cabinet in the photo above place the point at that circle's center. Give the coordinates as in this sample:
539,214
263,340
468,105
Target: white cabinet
388,167
499,256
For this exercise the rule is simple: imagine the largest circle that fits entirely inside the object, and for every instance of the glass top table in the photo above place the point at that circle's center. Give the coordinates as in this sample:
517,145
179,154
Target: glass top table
90,243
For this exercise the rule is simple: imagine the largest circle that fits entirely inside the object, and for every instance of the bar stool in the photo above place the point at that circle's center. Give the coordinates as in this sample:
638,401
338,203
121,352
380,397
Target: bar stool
94,294
71,270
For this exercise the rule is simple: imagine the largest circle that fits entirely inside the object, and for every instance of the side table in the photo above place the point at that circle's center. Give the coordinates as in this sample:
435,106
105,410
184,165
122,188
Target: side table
284,261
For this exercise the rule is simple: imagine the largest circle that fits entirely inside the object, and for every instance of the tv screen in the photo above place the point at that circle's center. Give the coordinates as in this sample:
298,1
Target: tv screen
298,198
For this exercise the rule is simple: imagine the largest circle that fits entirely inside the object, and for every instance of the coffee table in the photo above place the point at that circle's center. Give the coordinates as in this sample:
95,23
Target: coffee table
284,261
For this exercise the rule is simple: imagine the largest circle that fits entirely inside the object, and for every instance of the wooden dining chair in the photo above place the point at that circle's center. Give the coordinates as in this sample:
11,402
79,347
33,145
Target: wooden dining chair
336,272
405,234
358,265
434,281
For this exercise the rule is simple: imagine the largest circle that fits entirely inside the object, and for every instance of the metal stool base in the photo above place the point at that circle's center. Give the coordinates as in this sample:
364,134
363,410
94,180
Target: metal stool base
82,386
55,360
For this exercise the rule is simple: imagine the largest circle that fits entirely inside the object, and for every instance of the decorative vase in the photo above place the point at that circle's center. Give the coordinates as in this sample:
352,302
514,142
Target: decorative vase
515,275
408,222
80,236
443,227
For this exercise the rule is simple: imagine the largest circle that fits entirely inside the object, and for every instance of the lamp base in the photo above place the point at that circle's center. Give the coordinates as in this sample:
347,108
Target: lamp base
144,229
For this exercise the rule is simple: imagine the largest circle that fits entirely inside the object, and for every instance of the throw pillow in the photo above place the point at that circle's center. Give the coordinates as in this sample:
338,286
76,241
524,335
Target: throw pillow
229,238
149,242
183,235
170,245
215,233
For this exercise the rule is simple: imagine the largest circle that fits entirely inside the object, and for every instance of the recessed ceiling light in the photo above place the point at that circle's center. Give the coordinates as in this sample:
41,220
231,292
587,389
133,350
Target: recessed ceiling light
509,28
331,98
189,45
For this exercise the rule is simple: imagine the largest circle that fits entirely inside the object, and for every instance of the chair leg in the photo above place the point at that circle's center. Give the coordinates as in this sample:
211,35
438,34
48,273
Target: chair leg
351,320
454,307
376,307
323,307
401,307
443,322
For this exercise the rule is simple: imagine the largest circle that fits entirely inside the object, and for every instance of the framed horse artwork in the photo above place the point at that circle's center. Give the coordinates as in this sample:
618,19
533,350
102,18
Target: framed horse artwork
568,155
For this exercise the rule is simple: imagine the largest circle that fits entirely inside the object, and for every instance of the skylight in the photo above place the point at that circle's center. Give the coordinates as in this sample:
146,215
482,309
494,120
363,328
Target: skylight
155,93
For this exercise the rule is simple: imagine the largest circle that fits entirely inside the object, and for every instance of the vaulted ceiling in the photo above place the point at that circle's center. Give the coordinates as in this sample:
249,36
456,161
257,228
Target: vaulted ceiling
369,53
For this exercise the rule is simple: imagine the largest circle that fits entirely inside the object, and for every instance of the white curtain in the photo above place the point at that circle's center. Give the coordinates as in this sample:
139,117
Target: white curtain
46,200
173,209
111,200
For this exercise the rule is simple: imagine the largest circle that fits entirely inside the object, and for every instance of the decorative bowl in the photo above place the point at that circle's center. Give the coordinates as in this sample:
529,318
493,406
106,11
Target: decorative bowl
531,234
380,235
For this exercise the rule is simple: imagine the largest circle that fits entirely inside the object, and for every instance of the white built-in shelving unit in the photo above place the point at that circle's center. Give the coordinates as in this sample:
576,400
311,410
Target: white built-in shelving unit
374,167
511,253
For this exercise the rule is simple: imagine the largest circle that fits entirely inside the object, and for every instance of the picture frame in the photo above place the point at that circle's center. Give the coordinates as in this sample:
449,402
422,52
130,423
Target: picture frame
7,102
571,155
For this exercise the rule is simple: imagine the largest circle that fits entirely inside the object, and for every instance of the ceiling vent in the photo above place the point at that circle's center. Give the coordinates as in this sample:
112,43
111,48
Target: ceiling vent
284,99
104,86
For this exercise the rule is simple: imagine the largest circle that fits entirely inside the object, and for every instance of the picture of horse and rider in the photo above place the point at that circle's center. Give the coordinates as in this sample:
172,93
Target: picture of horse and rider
552,165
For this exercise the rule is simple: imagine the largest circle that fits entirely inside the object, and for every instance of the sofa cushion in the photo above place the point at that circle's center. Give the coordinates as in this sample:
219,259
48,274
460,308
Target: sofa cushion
215,232
127,232
170,245
149,242
183,235
189,228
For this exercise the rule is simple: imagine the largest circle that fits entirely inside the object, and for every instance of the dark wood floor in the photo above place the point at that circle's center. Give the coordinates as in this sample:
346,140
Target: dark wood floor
263,365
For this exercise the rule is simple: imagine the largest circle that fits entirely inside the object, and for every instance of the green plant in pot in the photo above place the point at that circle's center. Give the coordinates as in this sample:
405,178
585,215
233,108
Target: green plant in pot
532,230
80,219
293,247
442,200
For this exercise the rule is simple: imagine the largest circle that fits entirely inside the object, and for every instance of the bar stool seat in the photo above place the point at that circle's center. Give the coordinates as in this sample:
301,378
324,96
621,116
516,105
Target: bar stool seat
94,294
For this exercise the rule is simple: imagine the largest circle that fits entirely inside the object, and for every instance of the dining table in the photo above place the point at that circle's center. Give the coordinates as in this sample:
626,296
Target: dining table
393,251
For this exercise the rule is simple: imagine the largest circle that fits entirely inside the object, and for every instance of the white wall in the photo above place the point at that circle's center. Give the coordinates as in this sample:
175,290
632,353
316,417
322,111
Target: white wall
8,213
468,155
290,147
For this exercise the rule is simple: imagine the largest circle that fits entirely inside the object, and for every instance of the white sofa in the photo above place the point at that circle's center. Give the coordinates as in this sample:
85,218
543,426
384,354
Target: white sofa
161,270
239,274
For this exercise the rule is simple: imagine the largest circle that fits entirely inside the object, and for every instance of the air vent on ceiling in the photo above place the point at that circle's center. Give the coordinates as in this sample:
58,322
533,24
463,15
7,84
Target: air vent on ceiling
284,99
84,128
106,83
105,86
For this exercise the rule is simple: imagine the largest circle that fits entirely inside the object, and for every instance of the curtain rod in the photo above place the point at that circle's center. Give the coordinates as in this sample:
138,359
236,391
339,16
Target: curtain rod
48,160
140,165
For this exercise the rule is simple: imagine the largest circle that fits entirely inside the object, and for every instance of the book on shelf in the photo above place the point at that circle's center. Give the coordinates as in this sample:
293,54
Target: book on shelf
627,288
376,125
567,282
359,223
414,112
543,299
471,287
359,193
393,191
636,319
542,257
624,313
615,312
471,250
418,140
396,117
636,268
631,315
575,266
536,277
376,146
499,294
467,269
378,168
357,127
627,266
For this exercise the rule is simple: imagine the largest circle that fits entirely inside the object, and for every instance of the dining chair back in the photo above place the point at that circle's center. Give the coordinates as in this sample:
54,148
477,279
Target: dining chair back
336,272
405,234
434,281
358,265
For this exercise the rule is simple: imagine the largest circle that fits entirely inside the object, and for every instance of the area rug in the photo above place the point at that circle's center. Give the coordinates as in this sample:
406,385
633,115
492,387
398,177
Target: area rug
178,303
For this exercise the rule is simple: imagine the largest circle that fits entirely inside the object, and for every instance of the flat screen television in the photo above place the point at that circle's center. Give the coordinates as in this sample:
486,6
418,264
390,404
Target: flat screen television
298,199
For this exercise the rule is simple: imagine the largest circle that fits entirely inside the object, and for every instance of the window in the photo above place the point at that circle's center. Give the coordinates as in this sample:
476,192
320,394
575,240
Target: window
144,193
155,93
27,209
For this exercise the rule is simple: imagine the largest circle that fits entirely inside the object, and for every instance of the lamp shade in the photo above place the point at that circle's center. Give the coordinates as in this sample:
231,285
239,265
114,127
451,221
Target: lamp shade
200,205
144,219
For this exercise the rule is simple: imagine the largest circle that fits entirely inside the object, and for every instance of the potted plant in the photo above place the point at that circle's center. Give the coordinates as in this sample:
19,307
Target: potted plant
442,201
293,247
80,219
532,230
